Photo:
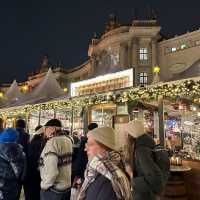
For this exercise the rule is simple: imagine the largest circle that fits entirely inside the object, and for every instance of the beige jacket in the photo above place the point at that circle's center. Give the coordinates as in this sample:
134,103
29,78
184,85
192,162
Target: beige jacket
55,165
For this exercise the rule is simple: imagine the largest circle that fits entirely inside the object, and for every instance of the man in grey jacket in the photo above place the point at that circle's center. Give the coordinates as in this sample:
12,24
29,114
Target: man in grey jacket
55,163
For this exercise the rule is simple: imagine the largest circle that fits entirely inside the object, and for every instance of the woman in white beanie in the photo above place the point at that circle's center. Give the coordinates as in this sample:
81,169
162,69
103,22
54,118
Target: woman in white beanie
147,176
105,177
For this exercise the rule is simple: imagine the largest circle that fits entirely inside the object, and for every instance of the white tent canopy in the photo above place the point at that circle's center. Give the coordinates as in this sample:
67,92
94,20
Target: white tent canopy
49,88
13,93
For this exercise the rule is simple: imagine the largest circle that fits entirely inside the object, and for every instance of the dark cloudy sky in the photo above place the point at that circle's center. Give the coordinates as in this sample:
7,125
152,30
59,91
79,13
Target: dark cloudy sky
63,28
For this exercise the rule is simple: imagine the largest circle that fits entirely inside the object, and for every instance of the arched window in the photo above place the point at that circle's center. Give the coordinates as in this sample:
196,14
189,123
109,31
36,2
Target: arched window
143,78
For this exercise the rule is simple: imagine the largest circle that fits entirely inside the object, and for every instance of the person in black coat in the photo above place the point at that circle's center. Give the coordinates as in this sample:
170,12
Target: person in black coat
32,191
81,159
23,138
147,176
12,165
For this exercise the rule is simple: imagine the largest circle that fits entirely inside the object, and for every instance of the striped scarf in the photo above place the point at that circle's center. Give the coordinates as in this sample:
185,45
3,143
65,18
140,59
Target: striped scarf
111,167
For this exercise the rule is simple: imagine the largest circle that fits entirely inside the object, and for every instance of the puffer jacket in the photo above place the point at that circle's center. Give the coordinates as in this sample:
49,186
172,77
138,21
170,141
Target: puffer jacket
147,181
12,170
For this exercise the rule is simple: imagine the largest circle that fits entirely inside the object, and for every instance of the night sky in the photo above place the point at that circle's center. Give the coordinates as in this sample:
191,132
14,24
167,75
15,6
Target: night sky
63,28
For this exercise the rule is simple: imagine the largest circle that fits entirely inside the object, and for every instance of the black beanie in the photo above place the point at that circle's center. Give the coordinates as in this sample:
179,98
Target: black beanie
54,122
20,123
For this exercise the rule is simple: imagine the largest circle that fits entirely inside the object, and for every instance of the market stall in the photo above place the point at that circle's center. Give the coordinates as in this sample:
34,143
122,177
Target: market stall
102,114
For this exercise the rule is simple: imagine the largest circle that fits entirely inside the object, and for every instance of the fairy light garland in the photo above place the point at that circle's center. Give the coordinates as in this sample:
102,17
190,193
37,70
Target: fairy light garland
187,88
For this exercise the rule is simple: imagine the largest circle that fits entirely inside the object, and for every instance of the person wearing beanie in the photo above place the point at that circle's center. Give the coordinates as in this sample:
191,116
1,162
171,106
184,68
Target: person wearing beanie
147,176
12,165
105,176
23,140
92,126
55,163
9,135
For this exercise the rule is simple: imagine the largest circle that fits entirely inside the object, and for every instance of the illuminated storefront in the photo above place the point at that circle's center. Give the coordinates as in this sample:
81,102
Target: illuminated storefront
108,82
102,114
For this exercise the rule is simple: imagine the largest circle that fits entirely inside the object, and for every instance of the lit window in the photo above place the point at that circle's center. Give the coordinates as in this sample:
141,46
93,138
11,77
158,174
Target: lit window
174,49
143,54
143,78
183,46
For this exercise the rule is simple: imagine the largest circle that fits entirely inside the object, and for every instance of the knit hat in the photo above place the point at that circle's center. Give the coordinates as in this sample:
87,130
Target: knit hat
20,123
54,122
9,135
136,128
105,136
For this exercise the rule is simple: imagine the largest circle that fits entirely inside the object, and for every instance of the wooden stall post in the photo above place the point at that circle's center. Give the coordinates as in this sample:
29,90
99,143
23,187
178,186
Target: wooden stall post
85,119
39,117
72,120
4,121
27,115
55,112
161,120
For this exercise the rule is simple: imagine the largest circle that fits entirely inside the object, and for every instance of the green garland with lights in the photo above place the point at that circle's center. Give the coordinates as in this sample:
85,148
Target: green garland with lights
188,89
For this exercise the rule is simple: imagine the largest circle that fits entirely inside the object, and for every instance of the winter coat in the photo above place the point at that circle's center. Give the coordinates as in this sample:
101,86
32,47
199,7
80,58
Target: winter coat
23,139
32,182
10,176
80,161
100,189
55,163
147,175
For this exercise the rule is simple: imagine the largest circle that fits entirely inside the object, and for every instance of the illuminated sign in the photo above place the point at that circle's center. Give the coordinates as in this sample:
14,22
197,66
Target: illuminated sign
103,83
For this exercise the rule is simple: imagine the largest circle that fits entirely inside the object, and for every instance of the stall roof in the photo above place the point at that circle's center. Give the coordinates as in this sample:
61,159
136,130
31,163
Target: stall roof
13,92
12,95
48,89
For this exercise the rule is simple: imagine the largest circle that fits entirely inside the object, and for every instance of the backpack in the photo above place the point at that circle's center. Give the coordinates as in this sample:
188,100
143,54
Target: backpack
161,156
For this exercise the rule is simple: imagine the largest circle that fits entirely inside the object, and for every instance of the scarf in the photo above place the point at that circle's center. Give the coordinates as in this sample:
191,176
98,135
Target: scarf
111,167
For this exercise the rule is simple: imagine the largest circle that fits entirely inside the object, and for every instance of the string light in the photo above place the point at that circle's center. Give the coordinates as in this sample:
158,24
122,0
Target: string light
189,89
25,88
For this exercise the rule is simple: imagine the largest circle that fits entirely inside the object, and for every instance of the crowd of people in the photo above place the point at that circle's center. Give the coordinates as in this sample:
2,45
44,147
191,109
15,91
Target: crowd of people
55,165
